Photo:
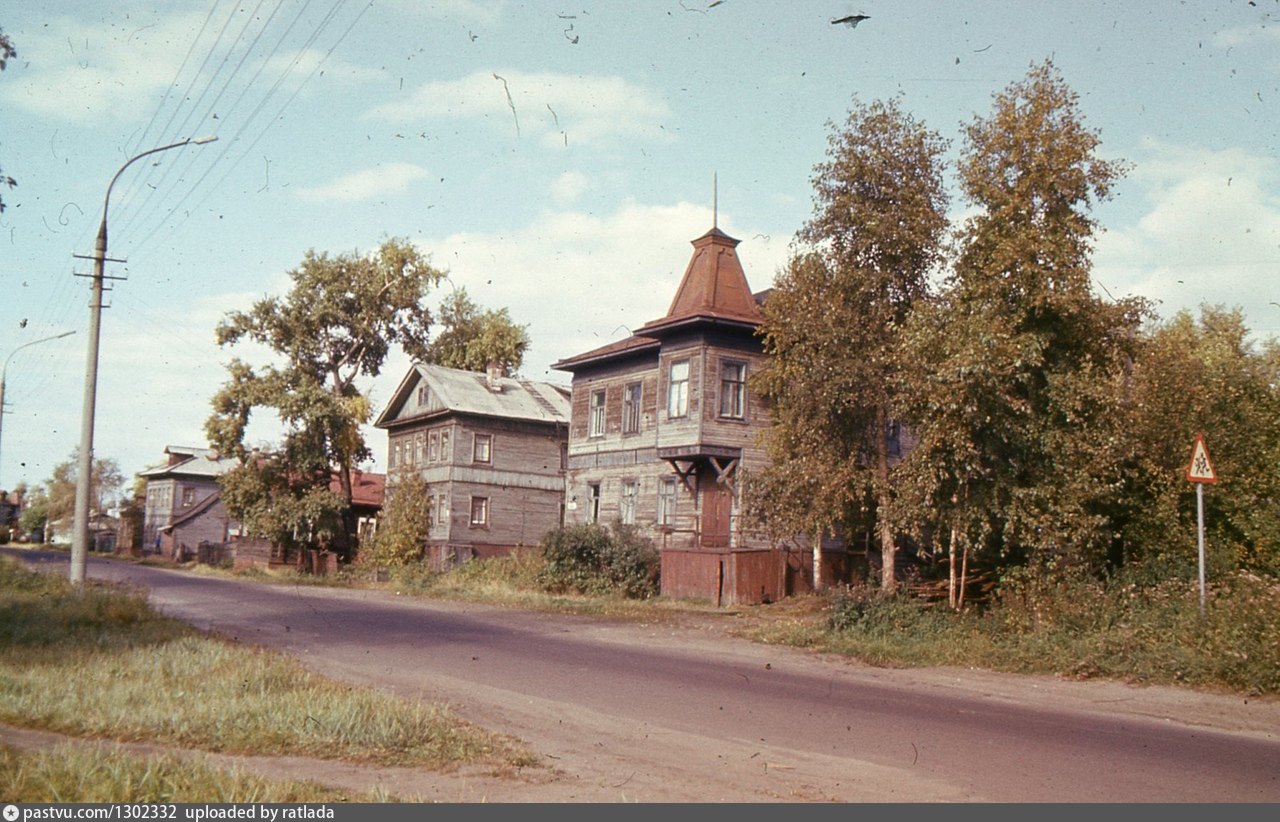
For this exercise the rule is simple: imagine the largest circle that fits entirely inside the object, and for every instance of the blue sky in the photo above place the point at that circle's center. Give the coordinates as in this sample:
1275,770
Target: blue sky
555,158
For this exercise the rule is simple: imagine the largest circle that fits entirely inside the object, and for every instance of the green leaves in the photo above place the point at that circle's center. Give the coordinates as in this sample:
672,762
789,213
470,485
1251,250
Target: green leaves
833,322
472,339
335,325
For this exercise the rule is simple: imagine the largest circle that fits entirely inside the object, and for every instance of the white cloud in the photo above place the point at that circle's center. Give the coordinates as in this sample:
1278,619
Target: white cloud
473,11
1209,234
558,108
96,72
569,187
303,62
1245,34
365,185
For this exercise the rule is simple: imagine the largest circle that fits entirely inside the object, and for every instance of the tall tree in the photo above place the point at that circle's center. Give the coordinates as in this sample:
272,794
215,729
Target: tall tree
7,52
831,327
335,326
1205,375
1015,375
60,488
472,339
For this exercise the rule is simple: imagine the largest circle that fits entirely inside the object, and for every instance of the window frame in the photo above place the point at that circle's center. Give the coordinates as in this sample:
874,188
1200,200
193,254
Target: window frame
483,508
733,390
668,496
627,498
593,501
596,412
678,390
477,439
632,397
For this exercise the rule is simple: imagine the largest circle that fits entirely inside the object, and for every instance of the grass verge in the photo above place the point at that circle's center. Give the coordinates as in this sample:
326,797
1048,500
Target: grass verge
101,663
89,773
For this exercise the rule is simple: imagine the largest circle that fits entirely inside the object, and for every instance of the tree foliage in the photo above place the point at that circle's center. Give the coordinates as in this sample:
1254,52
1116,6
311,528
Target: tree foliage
1013,373
471,338
335,326
832,325
405,524
59,491
1205,375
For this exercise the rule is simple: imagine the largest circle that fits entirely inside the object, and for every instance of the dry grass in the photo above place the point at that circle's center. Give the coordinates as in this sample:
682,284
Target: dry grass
77,772
100,663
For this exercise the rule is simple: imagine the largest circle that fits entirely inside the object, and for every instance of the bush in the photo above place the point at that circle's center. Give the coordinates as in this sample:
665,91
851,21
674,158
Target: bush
592,559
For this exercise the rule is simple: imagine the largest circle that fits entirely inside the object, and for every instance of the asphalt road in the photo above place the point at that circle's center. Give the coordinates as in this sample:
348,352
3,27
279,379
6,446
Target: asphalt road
658,713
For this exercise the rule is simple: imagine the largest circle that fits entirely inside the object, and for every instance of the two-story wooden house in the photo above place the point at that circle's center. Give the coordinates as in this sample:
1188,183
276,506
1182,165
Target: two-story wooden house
491,450
663,424
183,504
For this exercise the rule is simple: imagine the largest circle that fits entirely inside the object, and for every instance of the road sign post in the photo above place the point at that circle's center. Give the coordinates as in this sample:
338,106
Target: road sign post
1201,472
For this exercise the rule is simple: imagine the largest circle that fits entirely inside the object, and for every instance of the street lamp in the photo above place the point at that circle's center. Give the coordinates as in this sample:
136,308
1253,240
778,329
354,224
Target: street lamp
84,468
5,369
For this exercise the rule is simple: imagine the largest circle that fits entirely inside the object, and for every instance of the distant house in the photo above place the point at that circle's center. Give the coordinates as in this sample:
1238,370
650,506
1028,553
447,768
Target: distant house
491,450
183,505
664,424
367,493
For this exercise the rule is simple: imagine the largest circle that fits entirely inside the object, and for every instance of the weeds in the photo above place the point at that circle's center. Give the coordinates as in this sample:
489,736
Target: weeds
90,773
100,663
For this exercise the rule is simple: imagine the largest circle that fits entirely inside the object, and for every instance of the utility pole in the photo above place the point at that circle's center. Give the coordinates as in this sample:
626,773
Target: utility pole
84,467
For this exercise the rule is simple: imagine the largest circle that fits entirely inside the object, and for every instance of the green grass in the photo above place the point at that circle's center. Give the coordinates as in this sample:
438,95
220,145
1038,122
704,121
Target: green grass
1119,629
89,773
100,663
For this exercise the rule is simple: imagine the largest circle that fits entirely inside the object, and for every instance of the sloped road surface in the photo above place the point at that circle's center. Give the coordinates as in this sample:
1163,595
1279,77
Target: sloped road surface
624,712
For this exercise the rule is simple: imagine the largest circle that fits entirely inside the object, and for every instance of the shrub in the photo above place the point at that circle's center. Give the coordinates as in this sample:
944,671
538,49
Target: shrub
591,559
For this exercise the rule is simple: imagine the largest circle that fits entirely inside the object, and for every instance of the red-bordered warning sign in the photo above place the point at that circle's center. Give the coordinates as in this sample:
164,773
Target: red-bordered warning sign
1200,469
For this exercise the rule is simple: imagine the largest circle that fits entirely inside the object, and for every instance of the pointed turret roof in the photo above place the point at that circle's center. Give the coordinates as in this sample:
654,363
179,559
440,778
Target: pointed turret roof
713,287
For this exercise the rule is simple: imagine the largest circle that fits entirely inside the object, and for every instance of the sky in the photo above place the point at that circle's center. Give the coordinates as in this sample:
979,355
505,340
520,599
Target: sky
555,158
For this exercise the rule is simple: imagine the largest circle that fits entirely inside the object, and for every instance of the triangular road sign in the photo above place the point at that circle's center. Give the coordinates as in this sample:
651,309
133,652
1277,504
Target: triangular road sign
1200,469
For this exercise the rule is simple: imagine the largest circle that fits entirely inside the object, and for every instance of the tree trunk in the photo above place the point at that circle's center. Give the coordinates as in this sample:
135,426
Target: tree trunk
951,565
817,560
888,548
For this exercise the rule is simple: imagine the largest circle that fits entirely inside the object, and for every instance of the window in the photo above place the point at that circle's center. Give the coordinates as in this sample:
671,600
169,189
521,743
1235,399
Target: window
678,389
481,450
444,445
596,424
667,502
394,459
627,503
479,512
417,448
442,510
433,448
631,408
431,510
188,496
422,395
593,502
733,389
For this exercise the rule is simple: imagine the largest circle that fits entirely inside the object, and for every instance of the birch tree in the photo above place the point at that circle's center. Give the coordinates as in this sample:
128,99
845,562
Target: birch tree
832,328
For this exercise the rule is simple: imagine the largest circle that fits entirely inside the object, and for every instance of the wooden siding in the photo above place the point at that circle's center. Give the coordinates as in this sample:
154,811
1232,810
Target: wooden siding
523,482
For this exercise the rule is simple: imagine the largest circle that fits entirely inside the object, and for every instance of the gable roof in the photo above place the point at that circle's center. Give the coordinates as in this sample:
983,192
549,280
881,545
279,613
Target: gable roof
186,461
455,391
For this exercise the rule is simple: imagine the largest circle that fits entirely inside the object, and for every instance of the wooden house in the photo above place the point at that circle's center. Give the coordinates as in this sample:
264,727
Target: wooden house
663,424
183,504
491,450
